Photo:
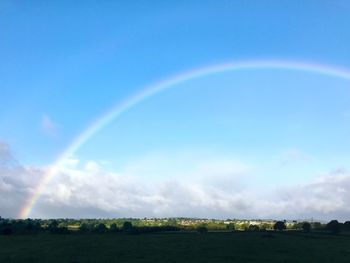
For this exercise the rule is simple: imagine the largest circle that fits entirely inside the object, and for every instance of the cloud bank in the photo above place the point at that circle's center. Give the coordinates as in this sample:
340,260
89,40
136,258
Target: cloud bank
89,190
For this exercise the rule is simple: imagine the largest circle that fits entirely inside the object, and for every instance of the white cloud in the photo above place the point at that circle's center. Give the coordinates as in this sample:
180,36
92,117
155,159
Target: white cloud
48,126
122,195
92,166
91,191
16,182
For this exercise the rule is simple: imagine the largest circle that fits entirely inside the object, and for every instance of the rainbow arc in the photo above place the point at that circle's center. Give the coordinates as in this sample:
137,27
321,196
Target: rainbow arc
155,88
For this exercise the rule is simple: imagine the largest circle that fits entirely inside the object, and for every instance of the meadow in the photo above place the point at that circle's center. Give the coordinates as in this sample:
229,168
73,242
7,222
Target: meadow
270,246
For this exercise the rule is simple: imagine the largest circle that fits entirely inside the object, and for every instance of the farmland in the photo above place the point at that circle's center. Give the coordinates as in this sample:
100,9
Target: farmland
240,246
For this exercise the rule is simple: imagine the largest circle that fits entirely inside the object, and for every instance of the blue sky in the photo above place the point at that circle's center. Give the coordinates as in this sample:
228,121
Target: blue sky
63,65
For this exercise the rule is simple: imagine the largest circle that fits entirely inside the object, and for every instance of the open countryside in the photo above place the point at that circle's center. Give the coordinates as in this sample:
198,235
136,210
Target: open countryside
173,240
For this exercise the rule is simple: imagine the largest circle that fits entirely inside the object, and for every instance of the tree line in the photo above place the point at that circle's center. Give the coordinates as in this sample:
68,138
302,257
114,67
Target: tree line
135,226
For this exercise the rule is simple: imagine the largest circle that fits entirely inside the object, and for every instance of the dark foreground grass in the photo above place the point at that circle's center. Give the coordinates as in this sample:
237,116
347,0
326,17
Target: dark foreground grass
176,247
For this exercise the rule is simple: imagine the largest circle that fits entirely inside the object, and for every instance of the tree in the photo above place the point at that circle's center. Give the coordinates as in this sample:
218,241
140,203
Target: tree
265,226
127,226
253,228
231,226
244,226
84,227
53,226
279,225
31,226
113,227
100,228
306,226
6,228
316,225
333,226
346,226
202,229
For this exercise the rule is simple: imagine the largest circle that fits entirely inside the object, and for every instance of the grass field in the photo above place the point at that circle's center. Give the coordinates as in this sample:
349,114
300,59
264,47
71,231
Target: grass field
176,247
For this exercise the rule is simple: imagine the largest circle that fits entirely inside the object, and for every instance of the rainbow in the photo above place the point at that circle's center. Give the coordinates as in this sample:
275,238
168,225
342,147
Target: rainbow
162,85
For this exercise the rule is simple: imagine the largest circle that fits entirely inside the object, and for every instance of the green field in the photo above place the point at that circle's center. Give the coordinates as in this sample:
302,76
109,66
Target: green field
176,247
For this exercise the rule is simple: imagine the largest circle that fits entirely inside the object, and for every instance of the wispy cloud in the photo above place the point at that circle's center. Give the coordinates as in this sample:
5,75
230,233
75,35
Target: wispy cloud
294,155
48,126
